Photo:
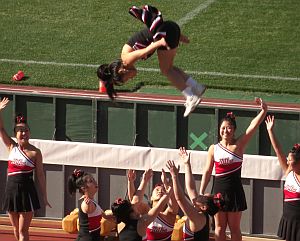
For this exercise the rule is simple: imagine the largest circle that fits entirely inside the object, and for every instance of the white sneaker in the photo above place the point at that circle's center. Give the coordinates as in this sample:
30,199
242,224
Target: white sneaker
190,104
199,89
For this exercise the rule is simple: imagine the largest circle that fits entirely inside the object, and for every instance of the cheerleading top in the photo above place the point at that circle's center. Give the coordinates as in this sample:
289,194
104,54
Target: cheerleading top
90,222
201,235
159,229
129,232
141,40
226,162
19,162
292,188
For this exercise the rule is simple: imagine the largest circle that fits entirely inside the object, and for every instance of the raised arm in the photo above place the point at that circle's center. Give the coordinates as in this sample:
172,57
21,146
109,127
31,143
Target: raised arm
139,194
189,178
172,204
196,219
208,170
131,176
275,144
245,138
6,139
148,218
41,176
130,56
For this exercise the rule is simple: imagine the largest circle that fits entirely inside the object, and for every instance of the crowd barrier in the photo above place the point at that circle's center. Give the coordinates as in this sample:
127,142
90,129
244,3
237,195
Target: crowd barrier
140,158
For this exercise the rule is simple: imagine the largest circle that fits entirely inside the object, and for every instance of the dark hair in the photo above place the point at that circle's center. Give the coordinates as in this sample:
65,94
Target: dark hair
160,184
296,151
230,117
109,74
214,203
121,209
77,180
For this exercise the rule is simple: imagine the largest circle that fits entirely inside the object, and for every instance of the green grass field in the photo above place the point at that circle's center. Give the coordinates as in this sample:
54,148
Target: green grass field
248,45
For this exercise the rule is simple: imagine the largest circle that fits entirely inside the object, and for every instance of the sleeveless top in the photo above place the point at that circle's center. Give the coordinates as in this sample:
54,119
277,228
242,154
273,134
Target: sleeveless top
292,188
129,232
141,40
226,162
201,235
19,162
90,222
159,229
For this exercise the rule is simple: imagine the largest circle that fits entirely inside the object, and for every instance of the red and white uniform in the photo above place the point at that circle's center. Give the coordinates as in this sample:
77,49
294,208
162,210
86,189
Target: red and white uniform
159,230
19,162
291,188
94,218
226,162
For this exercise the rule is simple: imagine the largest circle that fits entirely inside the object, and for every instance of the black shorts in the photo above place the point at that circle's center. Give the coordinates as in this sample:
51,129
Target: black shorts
172,31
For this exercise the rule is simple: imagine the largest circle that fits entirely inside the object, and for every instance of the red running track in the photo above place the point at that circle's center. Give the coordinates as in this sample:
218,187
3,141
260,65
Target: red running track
141,97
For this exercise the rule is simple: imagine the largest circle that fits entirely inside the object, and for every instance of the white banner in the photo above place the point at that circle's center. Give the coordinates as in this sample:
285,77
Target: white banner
140,158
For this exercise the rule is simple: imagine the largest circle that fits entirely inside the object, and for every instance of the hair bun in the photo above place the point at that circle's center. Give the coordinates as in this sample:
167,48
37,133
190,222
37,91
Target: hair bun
230,115
78,173
295,148
20,119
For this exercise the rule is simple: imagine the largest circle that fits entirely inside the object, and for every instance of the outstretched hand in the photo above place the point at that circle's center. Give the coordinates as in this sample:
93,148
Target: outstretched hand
184,156
269,122
172,167
131,175
262,104
147,175
4,103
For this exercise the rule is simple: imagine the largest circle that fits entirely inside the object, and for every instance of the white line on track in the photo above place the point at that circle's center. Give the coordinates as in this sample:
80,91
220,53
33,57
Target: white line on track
189,16
153,70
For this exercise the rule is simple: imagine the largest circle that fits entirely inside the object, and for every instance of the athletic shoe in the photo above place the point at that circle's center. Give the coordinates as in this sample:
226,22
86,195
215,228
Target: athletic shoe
199,89
190,104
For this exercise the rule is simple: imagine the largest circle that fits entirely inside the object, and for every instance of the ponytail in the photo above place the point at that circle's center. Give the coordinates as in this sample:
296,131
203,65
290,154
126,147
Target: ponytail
108,73
76,181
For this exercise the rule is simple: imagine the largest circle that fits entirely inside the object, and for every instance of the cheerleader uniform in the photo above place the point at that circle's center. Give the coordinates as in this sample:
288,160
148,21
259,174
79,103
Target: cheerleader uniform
129,232
156,29
20,191
201,235
289,226
159,230
227,179
89,223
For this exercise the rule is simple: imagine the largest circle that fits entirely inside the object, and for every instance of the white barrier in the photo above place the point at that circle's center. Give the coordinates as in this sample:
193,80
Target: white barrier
140,158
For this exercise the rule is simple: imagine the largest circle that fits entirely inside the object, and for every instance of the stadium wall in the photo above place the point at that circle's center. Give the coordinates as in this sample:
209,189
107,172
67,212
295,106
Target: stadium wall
261,176
140,131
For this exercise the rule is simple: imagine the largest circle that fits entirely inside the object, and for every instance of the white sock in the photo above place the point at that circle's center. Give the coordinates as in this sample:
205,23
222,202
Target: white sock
191,82
187,92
